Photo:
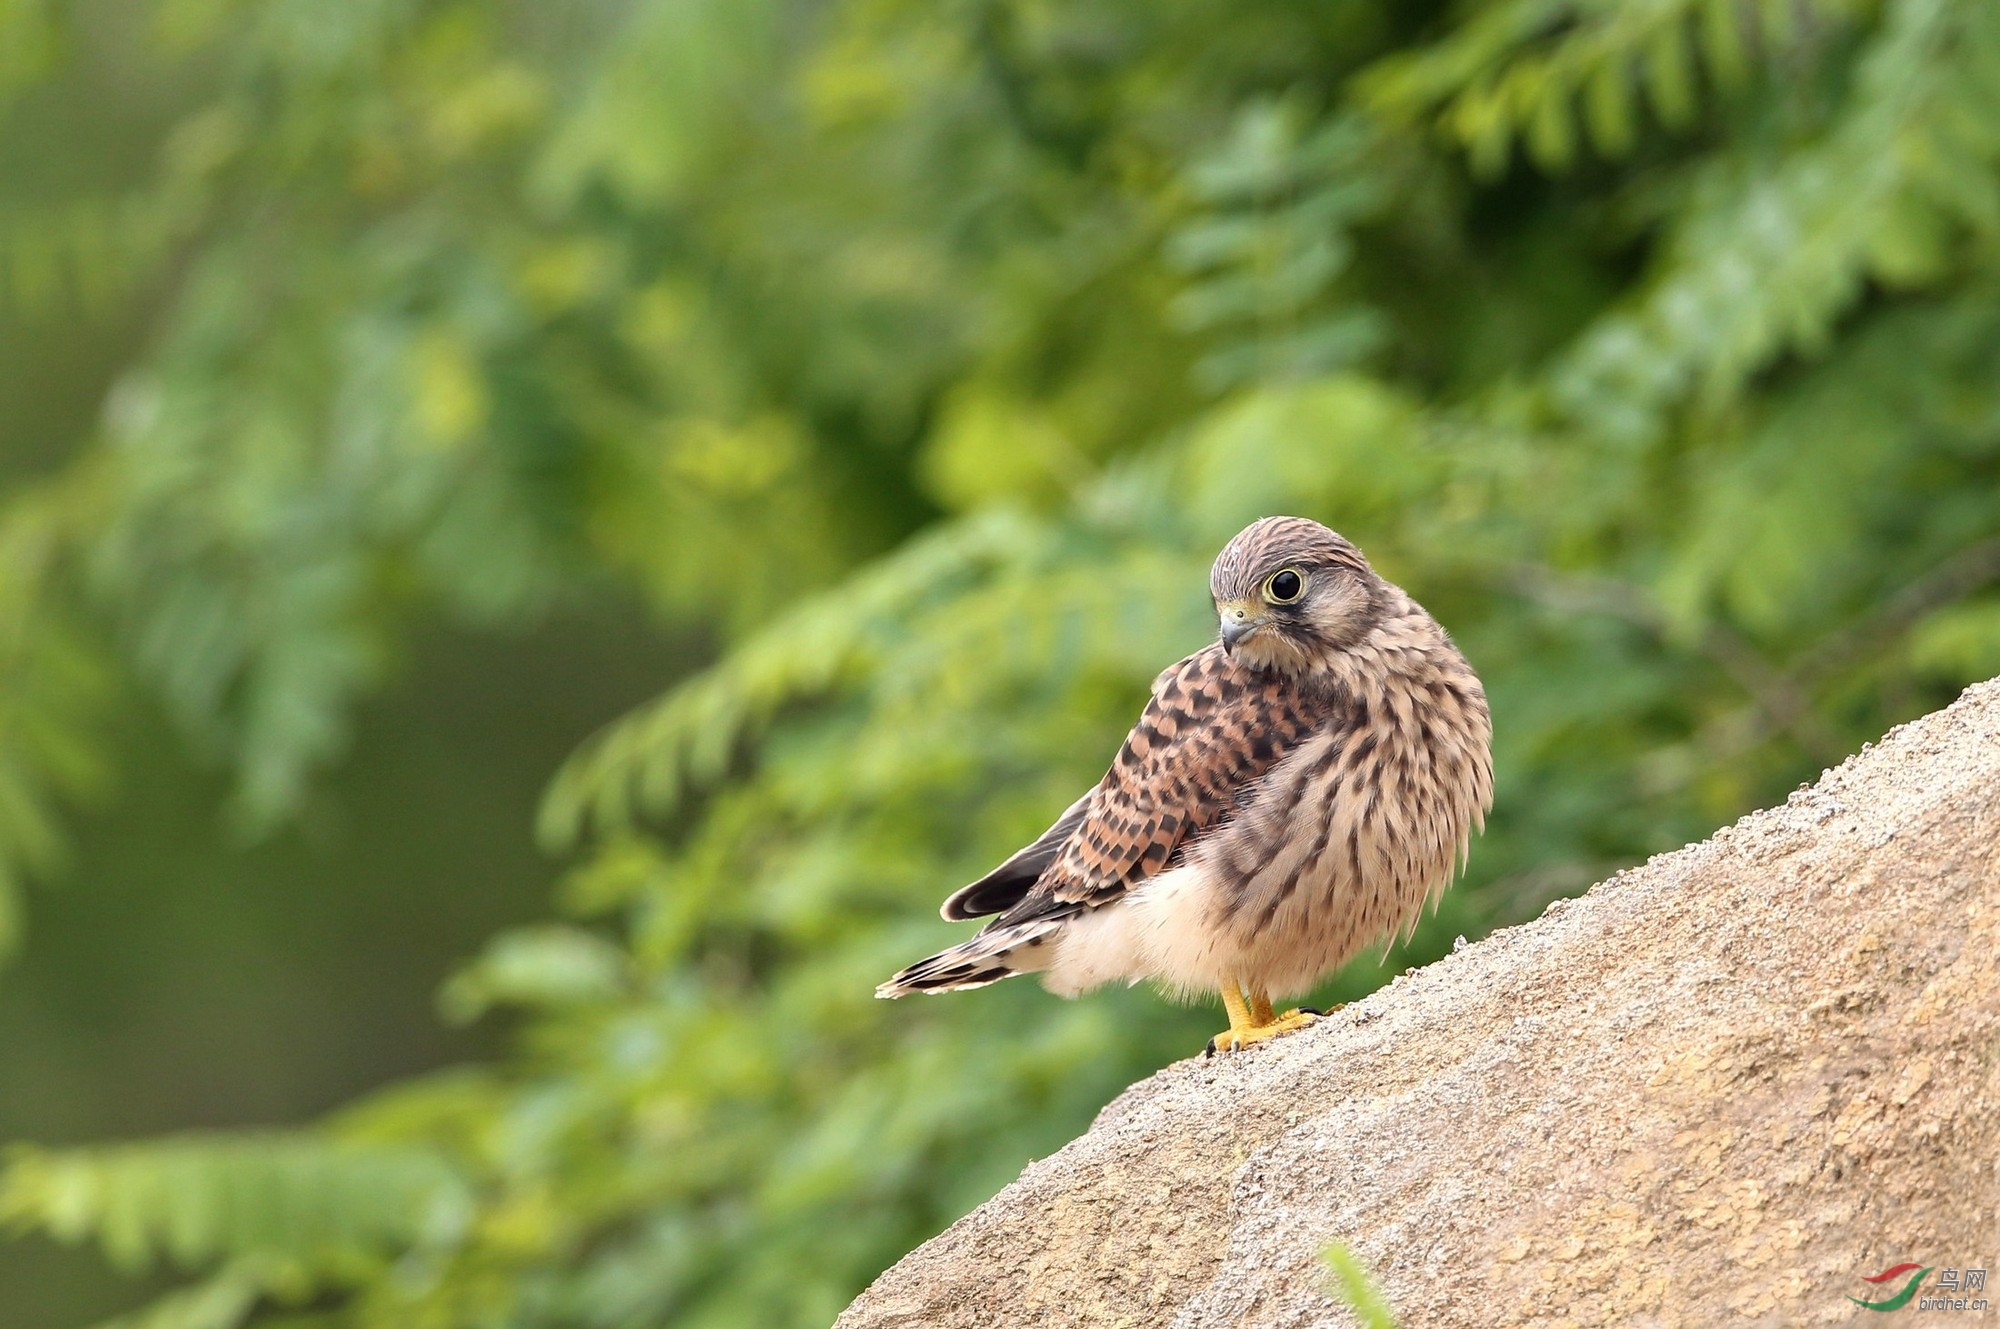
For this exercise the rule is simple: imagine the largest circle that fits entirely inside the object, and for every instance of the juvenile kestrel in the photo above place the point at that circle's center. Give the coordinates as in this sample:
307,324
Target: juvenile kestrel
1297,790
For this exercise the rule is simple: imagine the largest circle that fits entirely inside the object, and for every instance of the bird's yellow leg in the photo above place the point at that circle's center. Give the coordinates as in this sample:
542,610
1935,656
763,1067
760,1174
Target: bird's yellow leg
1253,1021
1296,1018
1240,1022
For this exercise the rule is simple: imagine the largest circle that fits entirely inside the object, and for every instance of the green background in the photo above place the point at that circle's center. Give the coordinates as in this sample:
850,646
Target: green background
841,402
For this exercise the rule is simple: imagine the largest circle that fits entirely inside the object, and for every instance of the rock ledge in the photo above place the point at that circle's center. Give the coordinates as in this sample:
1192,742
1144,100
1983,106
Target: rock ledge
1718,1089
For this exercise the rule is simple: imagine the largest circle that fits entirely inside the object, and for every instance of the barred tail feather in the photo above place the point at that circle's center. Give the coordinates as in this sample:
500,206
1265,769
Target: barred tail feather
996,952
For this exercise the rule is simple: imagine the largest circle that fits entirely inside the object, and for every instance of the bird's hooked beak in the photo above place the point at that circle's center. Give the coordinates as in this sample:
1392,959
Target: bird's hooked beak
1239,618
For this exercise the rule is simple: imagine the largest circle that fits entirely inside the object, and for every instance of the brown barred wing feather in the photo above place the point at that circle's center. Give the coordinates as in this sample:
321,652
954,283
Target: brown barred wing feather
1003,887
1211,729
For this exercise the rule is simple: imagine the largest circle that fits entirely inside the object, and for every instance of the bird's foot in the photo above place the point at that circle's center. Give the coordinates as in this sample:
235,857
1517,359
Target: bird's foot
1236,1039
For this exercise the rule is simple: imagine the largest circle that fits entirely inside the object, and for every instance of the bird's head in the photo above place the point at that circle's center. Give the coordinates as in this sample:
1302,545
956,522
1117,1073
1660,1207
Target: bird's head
1289,592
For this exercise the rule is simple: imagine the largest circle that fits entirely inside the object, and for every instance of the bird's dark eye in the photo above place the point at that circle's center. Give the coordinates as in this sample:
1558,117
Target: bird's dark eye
1285,586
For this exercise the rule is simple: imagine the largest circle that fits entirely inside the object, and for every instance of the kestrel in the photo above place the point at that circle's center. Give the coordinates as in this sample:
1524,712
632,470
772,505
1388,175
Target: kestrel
1295,791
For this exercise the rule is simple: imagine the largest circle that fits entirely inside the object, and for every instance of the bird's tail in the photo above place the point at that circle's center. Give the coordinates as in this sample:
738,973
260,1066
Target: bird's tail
997,951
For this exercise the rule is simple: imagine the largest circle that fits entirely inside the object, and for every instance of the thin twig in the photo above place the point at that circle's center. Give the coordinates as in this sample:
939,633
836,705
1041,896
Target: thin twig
1970,569
1781,697
1784,702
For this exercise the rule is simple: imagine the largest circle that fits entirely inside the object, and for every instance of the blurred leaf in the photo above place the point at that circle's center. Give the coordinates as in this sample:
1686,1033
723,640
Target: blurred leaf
287,1202
915,361
1353,1286
543,966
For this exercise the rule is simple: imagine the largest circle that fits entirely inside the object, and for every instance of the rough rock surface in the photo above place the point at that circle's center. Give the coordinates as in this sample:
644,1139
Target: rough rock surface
1718,1089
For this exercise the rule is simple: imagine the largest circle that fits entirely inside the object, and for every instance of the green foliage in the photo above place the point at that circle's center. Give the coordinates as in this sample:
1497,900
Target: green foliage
1552,75
53,691
921,358
1353,1286
1271,241
284,1215
1778,239
277,1201
31,33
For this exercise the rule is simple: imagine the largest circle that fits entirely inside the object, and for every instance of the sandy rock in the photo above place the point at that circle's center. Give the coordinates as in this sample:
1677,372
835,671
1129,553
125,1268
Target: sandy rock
1718,1089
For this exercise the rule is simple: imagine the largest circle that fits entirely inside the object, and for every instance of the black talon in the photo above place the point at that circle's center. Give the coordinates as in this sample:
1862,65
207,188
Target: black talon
1312,1010
1209,1051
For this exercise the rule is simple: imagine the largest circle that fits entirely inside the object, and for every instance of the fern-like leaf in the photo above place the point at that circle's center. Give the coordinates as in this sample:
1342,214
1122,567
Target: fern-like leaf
1278,198
1768,259
1546,73
53,688
222,1302
647,760
295,1203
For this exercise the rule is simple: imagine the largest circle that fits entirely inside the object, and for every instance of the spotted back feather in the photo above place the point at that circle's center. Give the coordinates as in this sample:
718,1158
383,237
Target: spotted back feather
1210,730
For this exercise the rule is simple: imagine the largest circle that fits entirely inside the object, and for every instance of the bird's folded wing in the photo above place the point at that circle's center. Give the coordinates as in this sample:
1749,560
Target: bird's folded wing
1003,887
1211,729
